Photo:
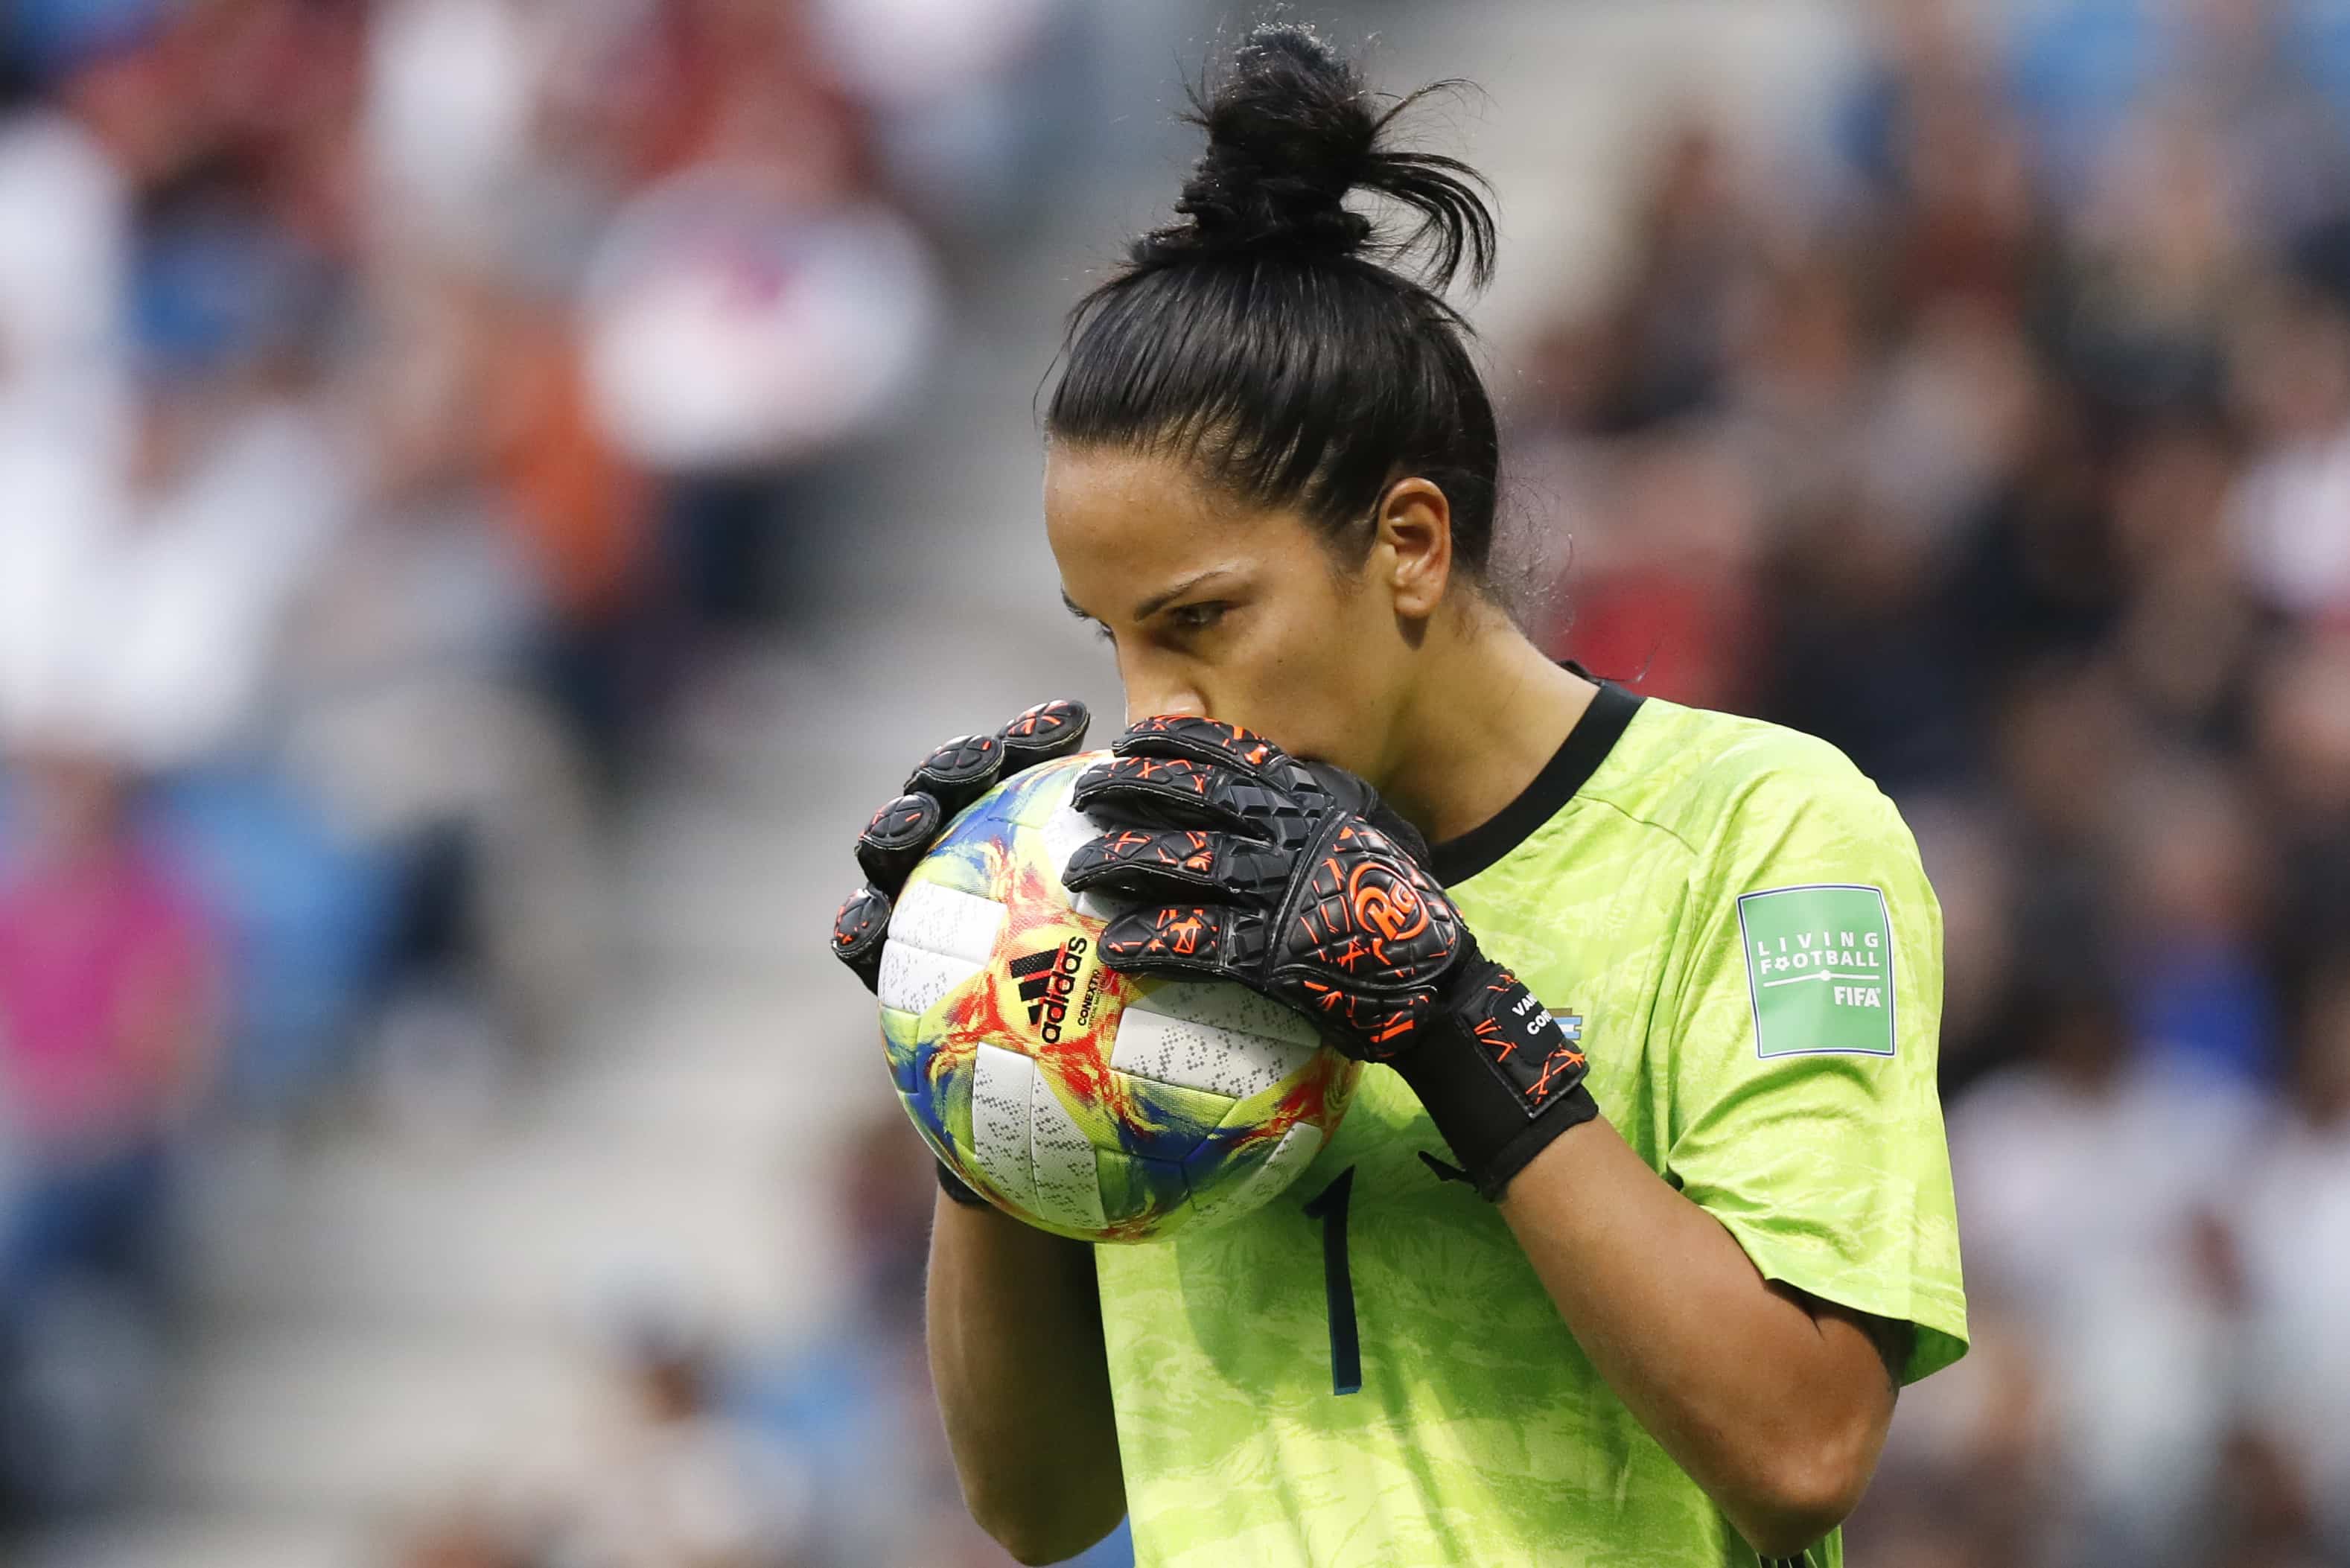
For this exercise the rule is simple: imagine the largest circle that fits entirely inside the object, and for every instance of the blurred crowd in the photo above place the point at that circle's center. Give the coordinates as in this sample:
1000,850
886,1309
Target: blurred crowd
406,405
823,1453
2002,438
407,408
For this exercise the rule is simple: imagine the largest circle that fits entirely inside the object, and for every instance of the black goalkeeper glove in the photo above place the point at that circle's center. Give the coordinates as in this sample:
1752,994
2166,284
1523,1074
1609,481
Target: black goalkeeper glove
903,831
1295,879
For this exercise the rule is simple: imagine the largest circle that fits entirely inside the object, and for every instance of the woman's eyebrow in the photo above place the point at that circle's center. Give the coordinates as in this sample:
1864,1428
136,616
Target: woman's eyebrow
1160,601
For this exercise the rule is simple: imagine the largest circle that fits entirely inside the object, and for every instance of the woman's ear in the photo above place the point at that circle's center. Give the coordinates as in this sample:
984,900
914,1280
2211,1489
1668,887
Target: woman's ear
1415,527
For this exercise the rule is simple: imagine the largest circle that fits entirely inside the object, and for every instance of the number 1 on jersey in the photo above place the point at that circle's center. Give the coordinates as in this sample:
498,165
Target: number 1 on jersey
1329,1205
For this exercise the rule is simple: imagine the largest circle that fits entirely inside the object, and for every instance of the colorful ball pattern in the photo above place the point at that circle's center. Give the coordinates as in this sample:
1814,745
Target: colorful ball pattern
1095,1104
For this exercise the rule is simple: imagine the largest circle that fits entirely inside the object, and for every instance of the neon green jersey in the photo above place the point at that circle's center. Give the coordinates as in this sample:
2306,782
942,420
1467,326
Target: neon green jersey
1736,920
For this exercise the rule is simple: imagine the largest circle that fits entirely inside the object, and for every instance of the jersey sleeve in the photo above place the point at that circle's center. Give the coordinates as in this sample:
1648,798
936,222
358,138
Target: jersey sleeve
1802,1109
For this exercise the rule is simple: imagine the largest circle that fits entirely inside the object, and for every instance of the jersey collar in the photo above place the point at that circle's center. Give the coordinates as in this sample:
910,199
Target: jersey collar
1586,746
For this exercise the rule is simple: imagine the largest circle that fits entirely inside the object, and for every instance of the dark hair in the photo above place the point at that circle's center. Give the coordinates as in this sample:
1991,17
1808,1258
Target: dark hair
1273,337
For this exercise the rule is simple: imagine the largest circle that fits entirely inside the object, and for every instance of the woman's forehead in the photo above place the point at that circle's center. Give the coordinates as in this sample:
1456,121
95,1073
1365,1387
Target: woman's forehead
1122,524
1092,488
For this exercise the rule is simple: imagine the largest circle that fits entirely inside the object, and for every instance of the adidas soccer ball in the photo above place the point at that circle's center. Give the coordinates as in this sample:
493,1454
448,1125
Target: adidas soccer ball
1095,1104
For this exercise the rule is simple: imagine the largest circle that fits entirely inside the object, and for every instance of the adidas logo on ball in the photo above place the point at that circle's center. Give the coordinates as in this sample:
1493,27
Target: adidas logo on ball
1046,979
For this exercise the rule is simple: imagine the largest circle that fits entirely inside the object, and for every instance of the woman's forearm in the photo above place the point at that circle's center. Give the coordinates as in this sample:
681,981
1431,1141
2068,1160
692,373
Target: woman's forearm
1778,1410
1015,1342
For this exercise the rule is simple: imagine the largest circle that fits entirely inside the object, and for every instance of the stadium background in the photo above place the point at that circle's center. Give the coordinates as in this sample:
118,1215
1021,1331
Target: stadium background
490,490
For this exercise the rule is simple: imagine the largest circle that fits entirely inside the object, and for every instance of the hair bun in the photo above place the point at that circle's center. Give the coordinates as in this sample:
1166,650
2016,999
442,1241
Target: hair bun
1292,131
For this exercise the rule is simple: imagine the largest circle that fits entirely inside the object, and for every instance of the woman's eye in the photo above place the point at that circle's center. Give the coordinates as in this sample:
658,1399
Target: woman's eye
1197,618
1103,633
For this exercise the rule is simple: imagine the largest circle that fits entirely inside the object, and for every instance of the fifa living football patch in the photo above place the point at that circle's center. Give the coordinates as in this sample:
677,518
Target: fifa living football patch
1819,970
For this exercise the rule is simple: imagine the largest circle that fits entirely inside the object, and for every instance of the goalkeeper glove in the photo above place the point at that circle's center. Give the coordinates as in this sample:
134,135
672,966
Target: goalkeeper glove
1295,879
903,831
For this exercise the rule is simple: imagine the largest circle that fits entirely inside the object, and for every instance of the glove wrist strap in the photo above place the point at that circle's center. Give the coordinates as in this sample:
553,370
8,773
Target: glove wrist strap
1501,1078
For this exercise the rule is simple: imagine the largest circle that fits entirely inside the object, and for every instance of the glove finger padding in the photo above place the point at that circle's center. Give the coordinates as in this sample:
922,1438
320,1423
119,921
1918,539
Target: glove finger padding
1197,940
1047,731
959,772
1181,793
1159,864
858,932
1210,741
897,837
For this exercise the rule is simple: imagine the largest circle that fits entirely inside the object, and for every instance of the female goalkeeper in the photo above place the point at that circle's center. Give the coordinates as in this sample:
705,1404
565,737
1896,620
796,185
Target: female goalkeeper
1491,1324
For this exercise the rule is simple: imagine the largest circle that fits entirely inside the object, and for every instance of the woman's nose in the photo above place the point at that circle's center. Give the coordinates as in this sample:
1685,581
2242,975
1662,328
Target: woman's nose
1162,702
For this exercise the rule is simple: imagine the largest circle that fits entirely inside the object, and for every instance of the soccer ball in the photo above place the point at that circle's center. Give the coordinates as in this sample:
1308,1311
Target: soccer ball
1095,1104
